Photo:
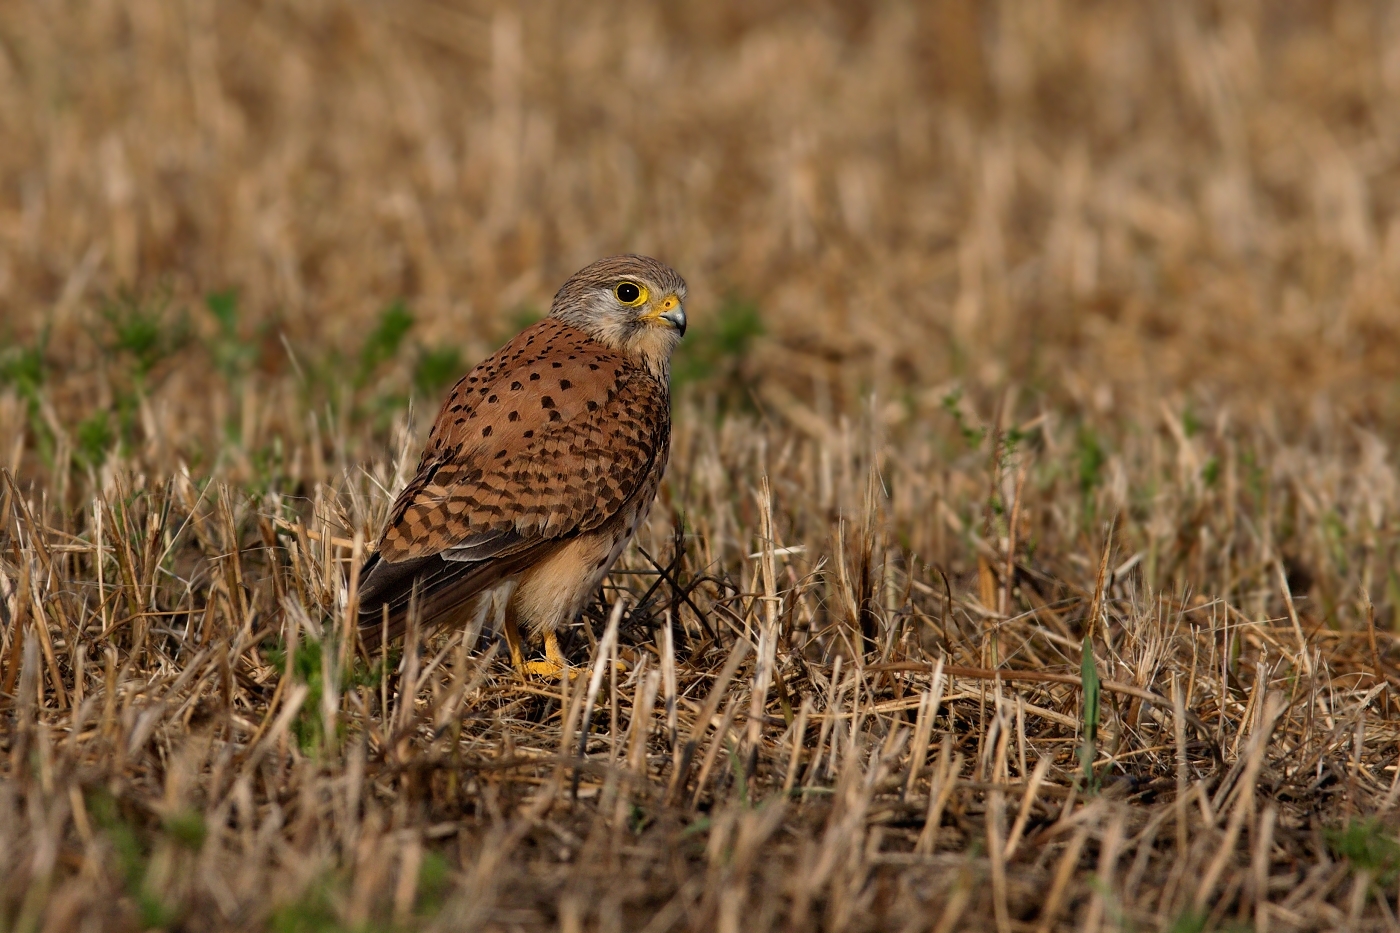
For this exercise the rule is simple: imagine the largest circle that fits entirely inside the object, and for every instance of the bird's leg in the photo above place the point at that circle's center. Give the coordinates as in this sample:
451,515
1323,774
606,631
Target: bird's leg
512,633
551,650
554,665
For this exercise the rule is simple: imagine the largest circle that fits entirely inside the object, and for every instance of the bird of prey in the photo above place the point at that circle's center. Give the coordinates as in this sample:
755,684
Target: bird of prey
542,464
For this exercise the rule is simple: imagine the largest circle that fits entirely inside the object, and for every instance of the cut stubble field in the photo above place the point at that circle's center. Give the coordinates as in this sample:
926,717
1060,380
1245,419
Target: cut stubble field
1027,558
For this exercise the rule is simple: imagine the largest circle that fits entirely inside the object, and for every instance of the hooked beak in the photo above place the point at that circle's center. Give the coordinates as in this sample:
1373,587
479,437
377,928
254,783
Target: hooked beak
675,317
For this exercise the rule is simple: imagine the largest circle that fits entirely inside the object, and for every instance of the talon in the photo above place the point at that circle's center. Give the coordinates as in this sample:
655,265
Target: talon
550,668
547,669
554,665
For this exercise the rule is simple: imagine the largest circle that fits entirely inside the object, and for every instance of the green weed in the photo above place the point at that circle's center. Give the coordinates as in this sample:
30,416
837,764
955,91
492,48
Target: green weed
1335,535
132,859
1089,678
1255,478
1011,440
1210,473
187,828
1369,846
315,911
95,437
23,368
233,355
432,368
1190,423
305,667
311,913
434,881
517,319
1189,921
138,334
143,332
715,354
384,341
696,827
1090,458
436,369
972,436
741,778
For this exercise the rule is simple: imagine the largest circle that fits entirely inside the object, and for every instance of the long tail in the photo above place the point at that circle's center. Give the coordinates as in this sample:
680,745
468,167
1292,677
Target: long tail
440,590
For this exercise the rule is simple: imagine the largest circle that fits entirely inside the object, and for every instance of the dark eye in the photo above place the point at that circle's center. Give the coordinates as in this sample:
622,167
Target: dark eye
628,292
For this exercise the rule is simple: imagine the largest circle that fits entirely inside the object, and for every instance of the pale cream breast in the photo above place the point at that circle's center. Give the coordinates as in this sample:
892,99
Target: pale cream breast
554,589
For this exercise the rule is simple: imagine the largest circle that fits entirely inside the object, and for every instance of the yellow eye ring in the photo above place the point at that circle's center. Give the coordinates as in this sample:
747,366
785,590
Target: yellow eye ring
631,294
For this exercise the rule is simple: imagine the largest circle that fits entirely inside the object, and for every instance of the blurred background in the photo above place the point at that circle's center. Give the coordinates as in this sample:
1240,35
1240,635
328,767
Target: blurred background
1101,205
969,283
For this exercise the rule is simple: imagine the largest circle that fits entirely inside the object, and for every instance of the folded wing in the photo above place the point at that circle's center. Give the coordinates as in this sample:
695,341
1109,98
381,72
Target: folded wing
546,440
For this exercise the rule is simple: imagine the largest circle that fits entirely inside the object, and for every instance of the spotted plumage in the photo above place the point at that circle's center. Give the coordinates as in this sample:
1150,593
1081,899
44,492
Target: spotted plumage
542,463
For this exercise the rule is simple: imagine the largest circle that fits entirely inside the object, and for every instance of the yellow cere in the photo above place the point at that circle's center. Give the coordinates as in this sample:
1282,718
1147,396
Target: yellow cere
669,302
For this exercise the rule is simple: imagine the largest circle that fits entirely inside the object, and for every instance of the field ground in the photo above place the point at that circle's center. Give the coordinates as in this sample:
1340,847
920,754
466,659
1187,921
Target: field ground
1028,556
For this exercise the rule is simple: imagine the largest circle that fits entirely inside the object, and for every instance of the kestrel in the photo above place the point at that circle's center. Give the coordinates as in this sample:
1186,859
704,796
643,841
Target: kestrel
542,464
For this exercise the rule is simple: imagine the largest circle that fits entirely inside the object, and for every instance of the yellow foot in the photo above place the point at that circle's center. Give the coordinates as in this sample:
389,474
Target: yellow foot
552,667
517,660
547,669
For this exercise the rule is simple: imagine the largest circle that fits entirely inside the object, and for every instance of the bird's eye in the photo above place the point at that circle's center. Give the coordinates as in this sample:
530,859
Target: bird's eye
630,293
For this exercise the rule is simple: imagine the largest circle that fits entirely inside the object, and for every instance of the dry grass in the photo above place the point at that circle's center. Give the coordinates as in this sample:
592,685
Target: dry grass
1016,329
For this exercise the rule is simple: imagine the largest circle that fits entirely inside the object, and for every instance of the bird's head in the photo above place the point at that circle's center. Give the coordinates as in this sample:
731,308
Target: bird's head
630,303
